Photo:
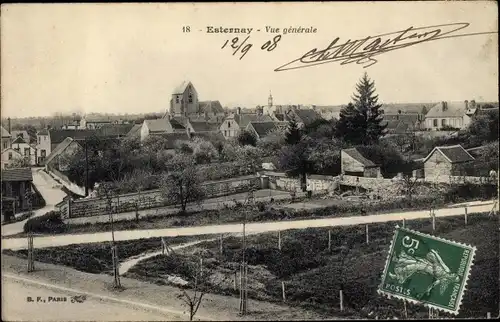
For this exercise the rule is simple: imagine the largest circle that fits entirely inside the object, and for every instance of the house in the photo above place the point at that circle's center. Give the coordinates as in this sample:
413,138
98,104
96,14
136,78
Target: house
262,129
16,184
27,150
235,123
201,127
58,157
8,155
114,130
403,122
55,137
445,161
6,139
94,121
161,126
304,117
450,114
43,145
354,163
22,134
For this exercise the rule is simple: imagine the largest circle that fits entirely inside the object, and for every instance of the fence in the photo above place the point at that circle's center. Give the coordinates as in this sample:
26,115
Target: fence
150,199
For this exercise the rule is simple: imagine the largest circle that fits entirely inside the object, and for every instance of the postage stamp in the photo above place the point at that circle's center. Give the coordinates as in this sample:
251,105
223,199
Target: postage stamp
428,270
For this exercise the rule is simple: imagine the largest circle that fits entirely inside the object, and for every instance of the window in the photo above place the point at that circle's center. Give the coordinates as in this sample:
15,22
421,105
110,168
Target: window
443,122
228,124
225,133
43,153
27,151
177,99
190,98
10,155
435,123
39,140
5,145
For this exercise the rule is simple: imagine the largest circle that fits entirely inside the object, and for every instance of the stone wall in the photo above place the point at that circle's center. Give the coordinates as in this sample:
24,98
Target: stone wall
150,199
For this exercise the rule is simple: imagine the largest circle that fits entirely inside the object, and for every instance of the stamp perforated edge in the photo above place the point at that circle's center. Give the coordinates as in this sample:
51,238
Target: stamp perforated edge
471,248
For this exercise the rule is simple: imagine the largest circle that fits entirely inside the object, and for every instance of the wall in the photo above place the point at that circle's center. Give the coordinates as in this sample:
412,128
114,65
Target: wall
153,198
458,122
437,166
365,182
33,153
43,144
65,181
460,179
280,181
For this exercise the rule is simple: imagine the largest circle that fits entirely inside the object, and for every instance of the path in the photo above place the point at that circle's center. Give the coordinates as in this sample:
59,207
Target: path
51,193
15,306
132,261
256,227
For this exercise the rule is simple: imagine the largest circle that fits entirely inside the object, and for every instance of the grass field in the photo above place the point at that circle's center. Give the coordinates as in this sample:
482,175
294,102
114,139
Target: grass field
312,274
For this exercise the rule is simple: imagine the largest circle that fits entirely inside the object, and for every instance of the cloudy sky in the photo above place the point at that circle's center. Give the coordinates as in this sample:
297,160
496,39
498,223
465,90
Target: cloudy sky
127,58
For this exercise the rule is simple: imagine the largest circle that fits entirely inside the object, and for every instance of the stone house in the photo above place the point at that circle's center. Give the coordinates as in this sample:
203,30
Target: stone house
9,155
16,183
59,156
262,129
450,114
445,161
355,164
235,123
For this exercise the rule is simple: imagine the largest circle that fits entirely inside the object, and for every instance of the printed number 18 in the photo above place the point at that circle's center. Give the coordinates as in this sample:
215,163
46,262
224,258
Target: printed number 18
412,245
186,29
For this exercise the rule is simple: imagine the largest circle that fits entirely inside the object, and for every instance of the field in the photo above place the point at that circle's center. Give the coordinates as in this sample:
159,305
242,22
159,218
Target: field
311,273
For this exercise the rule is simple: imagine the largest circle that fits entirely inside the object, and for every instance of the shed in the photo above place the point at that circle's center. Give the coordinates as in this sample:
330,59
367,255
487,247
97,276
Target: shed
354,163
445,161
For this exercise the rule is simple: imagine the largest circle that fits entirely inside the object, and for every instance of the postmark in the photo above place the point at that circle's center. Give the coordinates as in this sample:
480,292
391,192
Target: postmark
427,270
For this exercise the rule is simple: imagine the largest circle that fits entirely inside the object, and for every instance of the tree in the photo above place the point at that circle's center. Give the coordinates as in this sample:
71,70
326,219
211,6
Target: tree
247,138
272,142
193,299
361,122
294,133
295,159
484,128
182,185
18,163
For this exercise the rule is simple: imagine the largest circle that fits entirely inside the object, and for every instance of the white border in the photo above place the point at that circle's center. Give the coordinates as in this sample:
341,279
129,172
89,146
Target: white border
472,249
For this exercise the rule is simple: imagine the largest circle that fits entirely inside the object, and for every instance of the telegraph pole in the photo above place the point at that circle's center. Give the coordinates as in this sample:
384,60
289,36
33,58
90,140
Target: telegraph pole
86,170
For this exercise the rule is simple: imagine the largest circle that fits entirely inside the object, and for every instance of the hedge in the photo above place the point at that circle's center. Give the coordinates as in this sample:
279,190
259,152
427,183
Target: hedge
50,222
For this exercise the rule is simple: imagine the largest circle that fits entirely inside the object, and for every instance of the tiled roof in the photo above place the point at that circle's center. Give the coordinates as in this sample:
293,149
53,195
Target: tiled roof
307,116
263,128
158,125
453,153
211,107
57,136
19,140
59,148
204,126
452,109
244,119
177,124
43,132
174,137
114,129
5,133
19,174
181,88
136,129
355,154
24,134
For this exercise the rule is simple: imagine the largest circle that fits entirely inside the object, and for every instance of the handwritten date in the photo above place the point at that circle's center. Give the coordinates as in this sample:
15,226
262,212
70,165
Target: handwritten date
242,47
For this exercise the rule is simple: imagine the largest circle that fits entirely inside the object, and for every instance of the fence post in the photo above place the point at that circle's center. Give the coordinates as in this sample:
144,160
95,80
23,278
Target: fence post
162,246
283,291
404,223
329,240
405,309
367,236
341,301
279,239
465,215
433,214
488,315
234,284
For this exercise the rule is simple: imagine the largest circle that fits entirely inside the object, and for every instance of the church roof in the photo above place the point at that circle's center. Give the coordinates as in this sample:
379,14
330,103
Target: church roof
181,88
214,107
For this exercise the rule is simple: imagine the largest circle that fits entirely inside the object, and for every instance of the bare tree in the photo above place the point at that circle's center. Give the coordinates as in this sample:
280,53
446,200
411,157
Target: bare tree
409,185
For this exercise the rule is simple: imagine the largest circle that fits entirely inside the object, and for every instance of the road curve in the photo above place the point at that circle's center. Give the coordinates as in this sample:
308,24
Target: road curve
256,227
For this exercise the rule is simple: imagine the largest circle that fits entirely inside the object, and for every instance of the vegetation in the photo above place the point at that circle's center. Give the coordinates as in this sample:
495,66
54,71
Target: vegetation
50,222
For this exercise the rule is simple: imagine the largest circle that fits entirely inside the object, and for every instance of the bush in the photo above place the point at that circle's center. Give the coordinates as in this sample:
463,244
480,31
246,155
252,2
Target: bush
469,191
50,222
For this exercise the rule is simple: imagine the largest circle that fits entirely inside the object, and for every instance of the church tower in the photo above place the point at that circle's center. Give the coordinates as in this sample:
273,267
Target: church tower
269,110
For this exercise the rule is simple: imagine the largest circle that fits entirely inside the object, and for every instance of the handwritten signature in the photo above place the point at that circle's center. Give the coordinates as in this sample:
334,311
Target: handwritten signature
362,51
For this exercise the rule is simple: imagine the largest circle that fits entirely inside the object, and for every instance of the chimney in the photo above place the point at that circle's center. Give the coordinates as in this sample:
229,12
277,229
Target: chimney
443,103
238,110
8,120
466,105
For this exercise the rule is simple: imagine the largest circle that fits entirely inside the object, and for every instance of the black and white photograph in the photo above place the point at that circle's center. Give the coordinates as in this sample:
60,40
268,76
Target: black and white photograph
238,161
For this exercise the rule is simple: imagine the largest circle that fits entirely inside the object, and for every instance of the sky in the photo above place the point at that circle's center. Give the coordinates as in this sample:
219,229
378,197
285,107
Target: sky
128,58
